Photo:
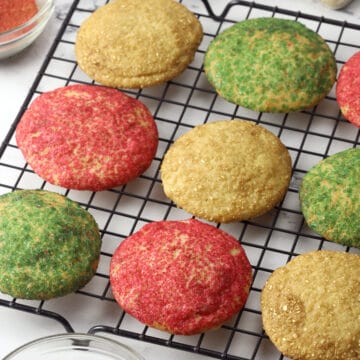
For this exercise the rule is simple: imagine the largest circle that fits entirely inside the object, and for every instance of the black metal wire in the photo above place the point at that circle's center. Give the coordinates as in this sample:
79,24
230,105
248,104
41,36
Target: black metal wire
268,226
37,311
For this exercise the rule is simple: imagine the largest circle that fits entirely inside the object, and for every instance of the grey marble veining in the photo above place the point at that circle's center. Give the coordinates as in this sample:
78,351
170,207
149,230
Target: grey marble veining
61,9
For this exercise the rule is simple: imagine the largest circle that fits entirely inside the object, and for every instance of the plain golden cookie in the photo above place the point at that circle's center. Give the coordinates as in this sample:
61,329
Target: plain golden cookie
311,309
225,171
137,43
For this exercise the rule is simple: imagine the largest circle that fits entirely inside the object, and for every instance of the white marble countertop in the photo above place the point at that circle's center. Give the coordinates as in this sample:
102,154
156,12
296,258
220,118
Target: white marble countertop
16,77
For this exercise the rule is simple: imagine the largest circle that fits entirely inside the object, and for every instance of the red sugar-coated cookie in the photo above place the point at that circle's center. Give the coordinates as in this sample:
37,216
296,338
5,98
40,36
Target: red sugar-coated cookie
87,137
348,89
184,277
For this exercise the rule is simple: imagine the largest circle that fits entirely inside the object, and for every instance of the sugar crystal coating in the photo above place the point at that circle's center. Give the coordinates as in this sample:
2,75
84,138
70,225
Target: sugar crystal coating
137,43
330,197
87,137
184,277
229,170
347,89
49,245
270,65
310,307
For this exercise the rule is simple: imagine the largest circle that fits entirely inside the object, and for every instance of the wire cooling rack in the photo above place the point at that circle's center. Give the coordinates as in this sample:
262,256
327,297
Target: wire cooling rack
270,240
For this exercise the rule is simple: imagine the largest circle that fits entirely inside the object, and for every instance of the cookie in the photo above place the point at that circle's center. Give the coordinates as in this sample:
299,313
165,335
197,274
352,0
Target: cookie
87,137
270,65
225,171
310,307
49,245
329,198
183,277
137,43
347,89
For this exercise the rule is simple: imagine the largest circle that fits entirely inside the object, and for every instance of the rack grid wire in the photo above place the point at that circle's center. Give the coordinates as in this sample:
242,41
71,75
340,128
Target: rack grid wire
178,105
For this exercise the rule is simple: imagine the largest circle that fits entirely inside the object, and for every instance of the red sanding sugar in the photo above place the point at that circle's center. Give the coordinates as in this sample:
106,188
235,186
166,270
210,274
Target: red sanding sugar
184,277
348,90
16,12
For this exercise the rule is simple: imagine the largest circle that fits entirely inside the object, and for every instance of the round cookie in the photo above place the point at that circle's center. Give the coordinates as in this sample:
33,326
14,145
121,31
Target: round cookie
137,43
270,65
310,307
183,277
347,89
87,137
49,245
225,171
329,198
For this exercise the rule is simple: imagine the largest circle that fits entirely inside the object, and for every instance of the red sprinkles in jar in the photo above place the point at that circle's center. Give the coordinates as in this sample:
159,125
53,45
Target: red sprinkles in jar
14,13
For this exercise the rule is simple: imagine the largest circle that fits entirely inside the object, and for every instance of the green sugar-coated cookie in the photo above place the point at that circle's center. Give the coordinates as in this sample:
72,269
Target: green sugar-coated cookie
330,198
49,245
270,65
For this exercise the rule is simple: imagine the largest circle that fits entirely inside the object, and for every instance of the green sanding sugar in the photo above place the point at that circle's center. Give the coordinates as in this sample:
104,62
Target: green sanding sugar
330,198
270,65
49,245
